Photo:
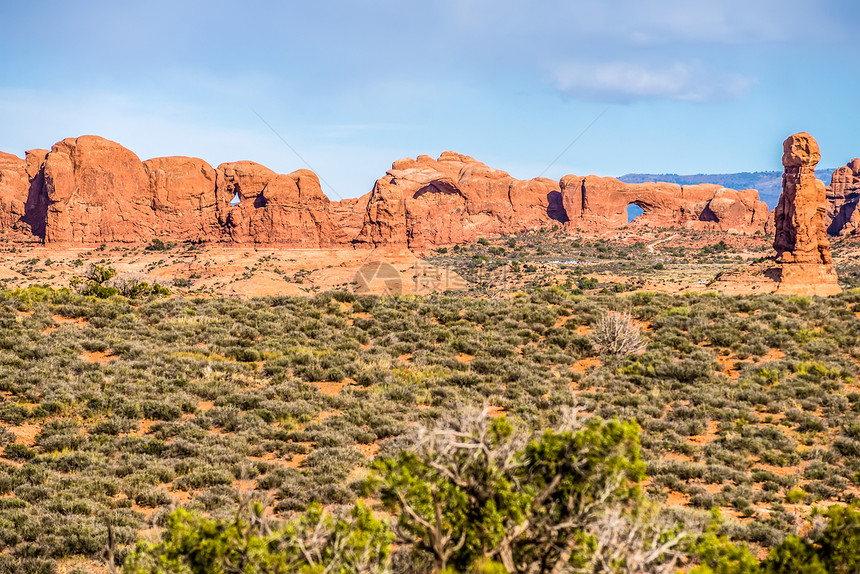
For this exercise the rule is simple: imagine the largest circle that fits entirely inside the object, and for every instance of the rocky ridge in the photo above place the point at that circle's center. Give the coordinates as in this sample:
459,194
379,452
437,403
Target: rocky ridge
89,190
601,202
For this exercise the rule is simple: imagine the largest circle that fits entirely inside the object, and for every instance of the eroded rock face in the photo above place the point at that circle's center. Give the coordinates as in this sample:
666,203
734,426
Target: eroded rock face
183,198
843,196
275,208
96,190
348,214
14,187
596,203
36,207
424,202
91,190
801,235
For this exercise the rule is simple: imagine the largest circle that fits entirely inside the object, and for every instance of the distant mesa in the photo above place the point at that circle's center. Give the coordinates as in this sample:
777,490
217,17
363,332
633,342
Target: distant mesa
89,190
802,264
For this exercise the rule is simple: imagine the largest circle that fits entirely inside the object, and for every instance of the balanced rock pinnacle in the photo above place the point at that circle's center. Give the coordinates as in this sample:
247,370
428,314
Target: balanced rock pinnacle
799,219
802,265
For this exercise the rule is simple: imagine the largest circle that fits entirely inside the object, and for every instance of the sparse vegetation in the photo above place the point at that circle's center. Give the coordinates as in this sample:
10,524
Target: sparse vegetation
116,410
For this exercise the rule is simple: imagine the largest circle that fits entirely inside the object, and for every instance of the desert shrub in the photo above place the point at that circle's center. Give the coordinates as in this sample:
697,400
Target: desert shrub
616,335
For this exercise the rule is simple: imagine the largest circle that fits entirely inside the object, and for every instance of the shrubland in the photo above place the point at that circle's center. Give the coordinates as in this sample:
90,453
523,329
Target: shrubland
142,424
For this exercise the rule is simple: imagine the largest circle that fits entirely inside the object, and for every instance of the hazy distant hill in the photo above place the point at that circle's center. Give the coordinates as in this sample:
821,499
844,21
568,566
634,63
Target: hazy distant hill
768,183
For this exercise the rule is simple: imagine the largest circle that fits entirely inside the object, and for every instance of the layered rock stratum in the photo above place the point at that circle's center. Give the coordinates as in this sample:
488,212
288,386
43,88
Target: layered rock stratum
89,190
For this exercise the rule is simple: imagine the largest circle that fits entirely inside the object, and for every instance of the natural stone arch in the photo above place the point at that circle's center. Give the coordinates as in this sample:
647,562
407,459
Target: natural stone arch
635,210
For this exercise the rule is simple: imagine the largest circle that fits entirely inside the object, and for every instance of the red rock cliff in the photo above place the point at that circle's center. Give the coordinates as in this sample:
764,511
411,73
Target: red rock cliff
424,202
843,196
91,190
288,209
596,203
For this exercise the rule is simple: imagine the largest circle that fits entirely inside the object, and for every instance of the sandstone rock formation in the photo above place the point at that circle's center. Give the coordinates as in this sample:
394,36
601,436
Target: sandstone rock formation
14,187
803,263
424,202
800,233
182,194
96,190
90,190
36,208
288,209
843,196
349,213
601,202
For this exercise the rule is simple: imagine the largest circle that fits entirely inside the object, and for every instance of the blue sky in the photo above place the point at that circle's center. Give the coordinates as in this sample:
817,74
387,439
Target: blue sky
684,86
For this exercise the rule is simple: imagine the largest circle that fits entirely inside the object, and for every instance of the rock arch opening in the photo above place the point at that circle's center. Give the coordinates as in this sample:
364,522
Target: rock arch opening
633,211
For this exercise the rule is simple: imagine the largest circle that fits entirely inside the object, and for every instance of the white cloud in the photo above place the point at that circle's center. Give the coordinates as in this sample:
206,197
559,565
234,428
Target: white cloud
620,81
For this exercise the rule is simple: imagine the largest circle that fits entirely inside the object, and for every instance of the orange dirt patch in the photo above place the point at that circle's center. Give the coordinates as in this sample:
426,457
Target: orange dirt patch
329,388
78,322
677,456
26,433
730,366
181,495
677,499
80,564
97,357
561,321
780,470
465,358
368,450
144,428
772,355
710,434
493,411
244,485
204,406
583,330
586,364
296,461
